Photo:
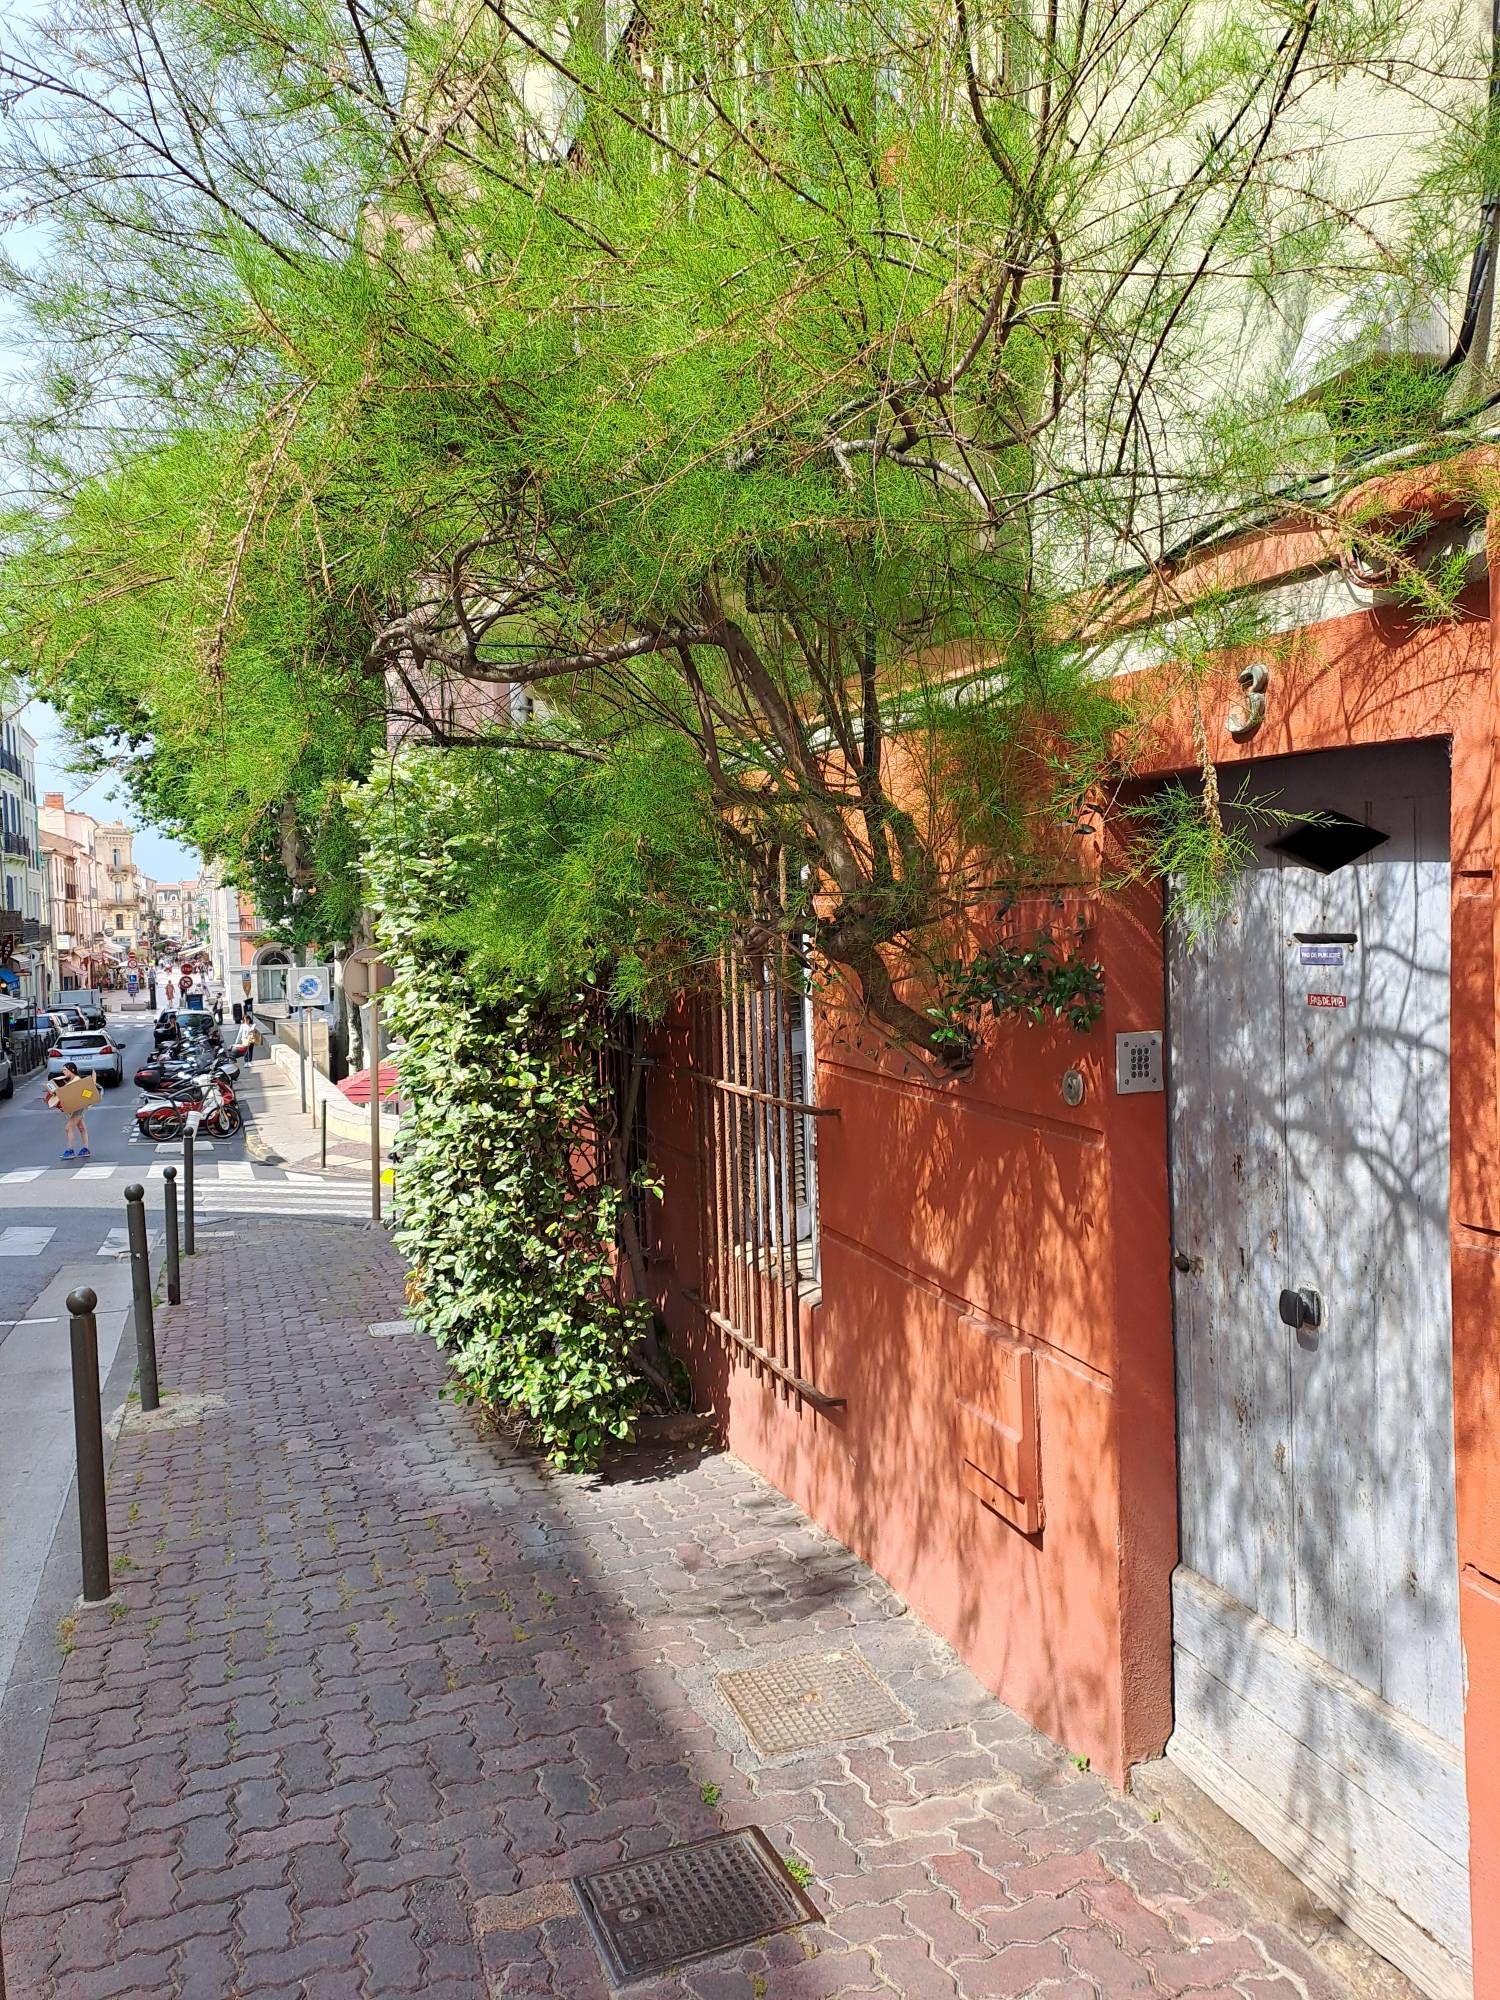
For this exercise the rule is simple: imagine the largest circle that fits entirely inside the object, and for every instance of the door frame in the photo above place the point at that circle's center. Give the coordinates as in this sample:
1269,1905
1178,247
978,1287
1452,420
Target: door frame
1281,1739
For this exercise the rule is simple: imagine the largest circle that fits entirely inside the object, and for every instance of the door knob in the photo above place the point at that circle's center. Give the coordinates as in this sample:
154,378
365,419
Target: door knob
1303,1307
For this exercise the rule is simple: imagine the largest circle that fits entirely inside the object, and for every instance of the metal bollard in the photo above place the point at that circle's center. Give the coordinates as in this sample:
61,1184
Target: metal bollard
174,1253
322,1161
88,1433
187,1192
140,1285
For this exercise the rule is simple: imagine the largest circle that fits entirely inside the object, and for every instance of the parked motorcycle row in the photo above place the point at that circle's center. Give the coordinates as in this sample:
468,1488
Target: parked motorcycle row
187,1071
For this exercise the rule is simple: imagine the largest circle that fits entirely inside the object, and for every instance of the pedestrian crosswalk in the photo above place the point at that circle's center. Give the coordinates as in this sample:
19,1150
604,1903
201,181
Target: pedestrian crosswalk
223,1189
117,1243
96,1170
18,1242
341,1200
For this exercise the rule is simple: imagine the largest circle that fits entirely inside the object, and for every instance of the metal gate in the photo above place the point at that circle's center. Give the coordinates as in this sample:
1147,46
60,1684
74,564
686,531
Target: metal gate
757,1163
1317,1670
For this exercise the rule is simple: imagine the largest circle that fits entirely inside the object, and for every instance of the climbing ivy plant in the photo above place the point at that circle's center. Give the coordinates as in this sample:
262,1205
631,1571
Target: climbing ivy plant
1033,979
509,1227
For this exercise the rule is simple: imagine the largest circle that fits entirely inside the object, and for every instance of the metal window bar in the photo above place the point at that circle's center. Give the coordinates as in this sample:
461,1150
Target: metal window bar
757,1151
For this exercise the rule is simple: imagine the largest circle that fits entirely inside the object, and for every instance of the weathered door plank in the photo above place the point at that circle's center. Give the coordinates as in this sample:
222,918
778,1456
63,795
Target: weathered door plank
1318,1670
1330,1717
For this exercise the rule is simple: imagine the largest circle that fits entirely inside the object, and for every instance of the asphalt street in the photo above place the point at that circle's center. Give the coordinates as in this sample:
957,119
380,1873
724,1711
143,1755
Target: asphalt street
58,1214
54,1218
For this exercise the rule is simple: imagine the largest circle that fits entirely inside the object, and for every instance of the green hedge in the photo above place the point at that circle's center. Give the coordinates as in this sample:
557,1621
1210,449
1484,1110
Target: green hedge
509,1236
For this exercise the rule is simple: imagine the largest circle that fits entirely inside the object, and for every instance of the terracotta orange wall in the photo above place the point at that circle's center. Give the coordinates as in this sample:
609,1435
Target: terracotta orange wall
952,1215
988,1208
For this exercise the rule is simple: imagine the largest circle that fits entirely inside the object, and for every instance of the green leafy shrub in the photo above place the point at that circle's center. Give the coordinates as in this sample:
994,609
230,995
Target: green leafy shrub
509,1228
1030,979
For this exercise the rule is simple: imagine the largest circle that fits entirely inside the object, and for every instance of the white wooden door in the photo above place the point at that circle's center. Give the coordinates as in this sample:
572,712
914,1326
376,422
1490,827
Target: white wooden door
1318,1677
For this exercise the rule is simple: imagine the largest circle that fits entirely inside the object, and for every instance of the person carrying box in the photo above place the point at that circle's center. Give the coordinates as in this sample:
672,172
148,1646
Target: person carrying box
71,1093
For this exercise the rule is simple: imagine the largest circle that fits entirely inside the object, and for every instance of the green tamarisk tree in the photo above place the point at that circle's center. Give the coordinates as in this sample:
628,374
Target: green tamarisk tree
243,743
748,428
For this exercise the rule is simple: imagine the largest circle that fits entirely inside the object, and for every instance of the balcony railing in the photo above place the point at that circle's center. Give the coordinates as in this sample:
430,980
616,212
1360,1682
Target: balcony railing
18,845
9,761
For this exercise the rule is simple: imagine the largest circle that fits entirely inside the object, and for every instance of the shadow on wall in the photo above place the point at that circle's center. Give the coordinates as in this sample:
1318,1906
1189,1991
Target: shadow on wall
956,1220
958,1216
1310,1115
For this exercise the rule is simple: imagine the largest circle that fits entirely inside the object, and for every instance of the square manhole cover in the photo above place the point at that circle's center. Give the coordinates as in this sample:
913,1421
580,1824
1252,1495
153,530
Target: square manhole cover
689,1902
809,1700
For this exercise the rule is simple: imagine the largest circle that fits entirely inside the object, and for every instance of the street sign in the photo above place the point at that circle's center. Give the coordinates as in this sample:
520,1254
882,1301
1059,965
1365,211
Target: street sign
308,986
363,974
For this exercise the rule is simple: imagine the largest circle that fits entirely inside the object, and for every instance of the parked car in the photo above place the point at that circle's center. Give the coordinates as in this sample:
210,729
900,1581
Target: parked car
89,1002
92,1050
7,1073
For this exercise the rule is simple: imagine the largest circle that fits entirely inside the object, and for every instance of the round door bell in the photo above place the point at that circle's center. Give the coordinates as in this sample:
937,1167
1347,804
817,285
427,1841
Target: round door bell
1072,1087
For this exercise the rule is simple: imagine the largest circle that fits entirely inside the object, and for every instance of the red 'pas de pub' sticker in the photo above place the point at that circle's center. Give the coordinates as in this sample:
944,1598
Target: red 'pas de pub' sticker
1328,999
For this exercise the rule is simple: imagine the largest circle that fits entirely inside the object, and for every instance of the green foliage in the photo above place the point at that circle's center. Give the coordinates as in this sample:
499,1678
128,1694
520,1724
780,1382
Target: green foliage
1201,848
1382,405
1400,557
780,401
610,874
235,726
1033,980
509,1231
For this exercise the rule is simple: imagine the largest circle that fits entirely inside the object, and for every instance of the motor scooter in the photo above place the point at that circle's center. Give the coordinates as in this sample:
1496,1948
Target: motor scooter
164,1071
165,1116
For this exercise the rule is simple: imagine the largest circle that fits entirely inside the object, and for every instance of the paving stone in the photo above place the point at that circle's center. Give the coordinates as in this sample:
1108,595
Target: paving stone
264,1920
1196,1966
1008,1974
204,1965
385,1684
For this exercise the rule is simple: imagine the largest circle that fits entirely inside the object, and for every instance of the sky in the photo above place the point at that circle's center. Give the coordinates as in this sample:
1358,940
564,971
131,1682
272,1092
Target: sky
162,859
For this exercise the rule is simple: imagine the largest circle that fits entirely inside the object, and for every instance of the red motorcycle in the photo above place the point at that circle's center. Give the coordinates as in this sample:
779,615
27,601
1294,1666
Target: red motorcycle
166,1116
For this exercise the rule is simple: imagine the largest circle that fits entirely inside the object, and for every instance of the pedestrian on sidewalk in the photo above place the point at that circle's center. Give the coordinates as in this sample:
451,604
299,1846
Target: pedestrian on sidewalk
61,1098
246,1040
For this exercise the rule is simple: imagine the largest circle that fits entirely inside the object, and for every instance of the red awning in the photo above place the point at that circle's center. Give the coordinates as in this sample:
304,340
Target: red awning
356,1087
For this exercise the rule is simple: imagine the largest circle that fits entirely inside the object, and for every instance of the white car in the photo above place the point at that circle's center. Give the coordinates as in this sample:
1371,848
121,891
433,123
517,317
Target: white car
92,1051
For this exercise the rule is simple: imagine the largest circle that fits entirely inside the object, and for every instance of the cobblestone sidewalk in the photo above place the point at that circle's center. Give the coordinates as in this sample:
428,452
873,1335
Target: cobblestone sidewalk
376,1683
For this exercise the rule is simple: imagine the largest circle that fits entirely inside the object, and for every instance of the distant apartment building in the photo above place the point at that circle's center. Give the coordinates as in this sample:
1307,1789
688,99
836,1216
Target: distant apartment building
181,913
101,900
126,895
83,958
239,944
27,960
